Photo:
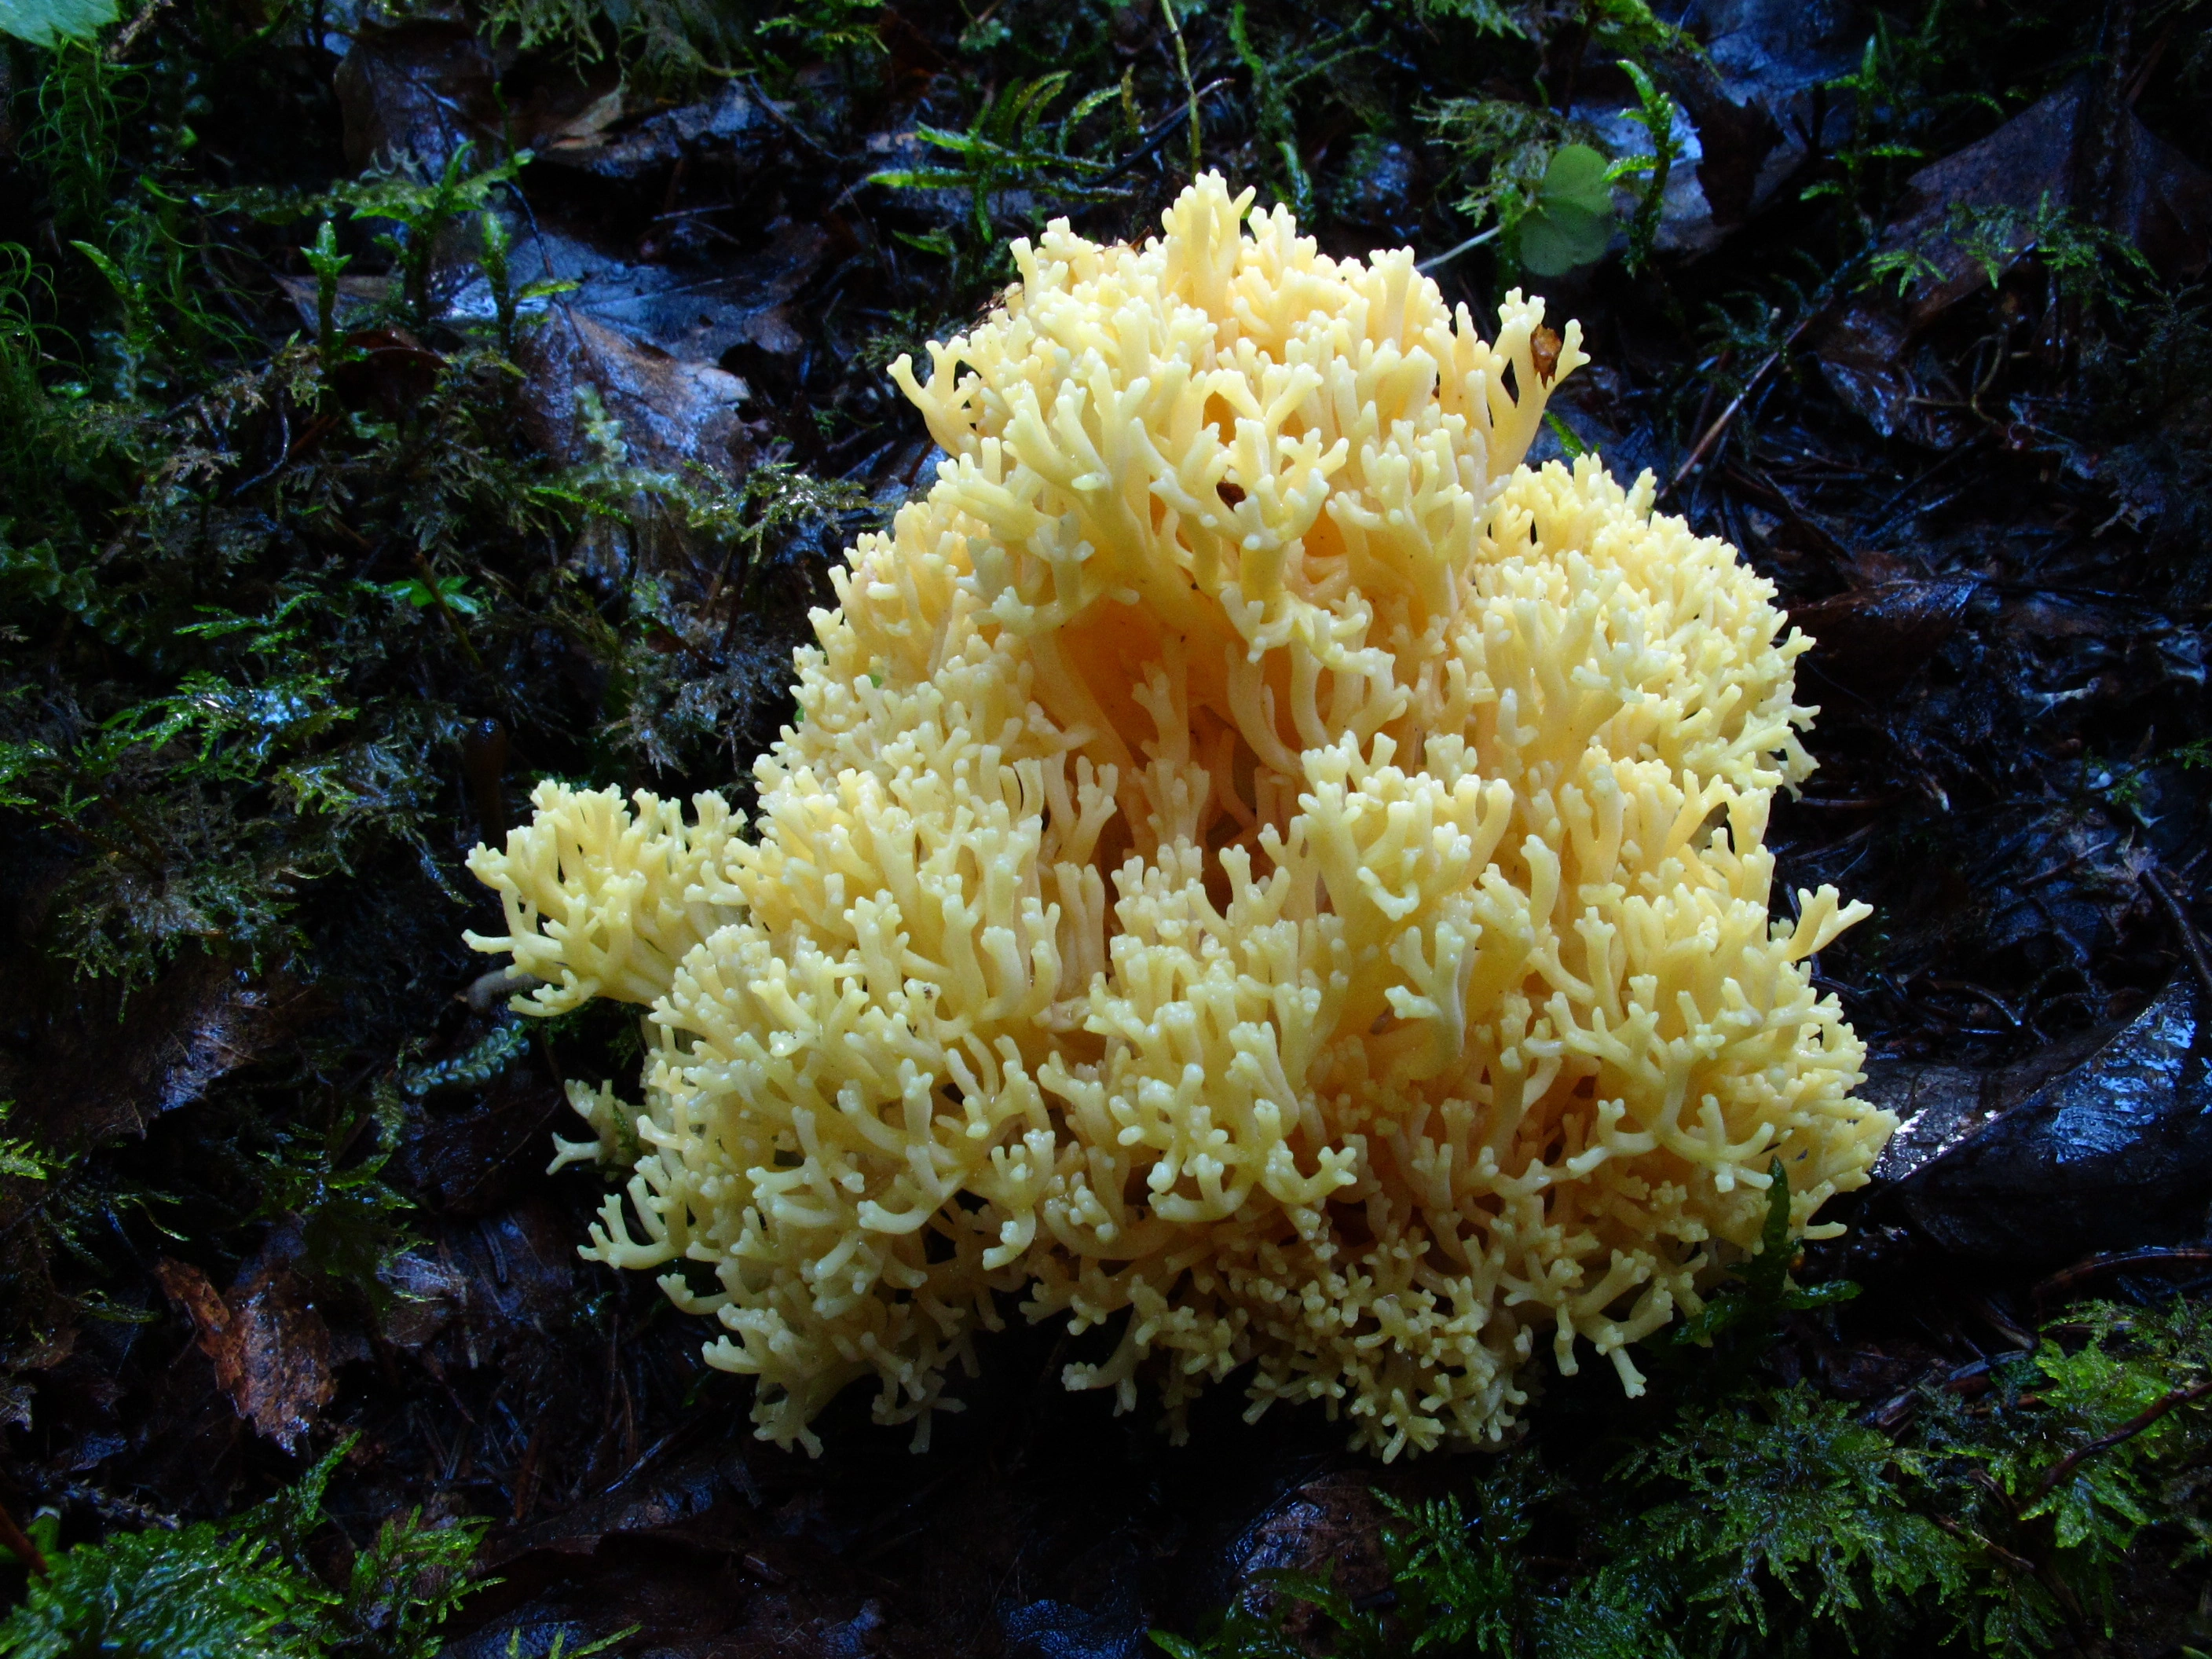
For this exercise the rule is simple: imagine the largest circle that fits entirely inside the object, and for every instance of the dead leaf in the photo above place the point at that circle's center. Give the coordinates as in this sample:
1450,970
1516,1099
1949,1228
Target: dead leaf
1866,357
1332,1520
1544,353
2137,186
2112,1154
1884,633
2131,182
1736,138
672,412
587,126
91,1080
415,94
357,298
697,306
728,126
429,1294
271,1348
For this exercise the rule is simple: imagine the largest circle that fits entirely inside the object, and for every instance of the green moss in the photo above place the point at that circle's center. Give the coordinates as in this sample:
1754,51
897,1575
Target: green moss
196,1594
244,1588
1776,1521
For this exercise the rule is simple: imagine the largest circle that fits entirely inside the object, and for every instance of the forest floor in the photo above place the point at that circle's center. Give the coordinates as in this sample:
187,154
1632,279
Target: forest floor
397,407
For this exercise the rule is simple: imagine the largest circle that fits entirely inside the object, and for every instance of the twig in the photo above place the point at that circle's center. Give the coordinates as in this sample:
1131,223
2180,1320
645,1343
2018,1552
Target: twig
1988,996
284,454
2134,1426
2191,945
1928,472
643,1458
791,126
1757,483
2140,78
137,26
21,1546
2017,1563
1719,426
2062,1283
1157,137
1451,253
2064,865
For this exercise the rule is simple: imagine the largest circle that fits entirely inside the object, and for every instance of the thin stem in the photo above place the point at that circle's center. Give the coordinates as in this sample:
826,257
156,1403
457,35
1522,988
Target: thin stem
429,581
2134,1426
1155,136
20,1545
2192,947
1190,87
1713,432
2018,1564
1452,253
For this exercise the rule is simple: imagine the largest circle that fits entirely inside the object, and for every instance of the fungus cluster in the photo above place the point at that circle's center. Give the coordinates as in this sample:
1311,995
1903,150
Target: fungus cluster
1257,870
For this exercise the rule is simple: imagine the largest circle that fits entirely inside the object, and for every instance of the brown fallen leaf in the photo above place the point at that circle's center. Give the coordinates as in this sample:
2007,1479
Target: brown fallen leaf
2073,151
1735,139
271,1348
674,414
2113,1154
1885,631
2144,190
417,93
98,1076
728,126
1866,356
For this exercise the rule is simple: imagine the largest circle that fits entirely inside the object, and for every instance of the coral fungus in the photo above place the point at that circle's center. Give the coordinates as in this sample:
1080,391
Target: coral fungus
1258,869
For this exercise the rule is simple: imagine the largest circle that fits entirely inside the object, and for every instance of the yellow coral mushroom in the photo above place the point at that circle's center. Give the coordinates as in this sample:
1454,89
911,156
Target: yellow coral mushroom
1260,869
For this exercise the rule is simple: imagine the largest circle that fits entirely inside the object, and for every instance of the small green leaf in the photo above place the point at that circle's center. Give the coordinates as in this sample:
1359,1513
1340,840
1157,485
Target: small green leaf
452,590
1575,178
322,254
918,179
48,23
22,1159
1572,224
108,268
1556,239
